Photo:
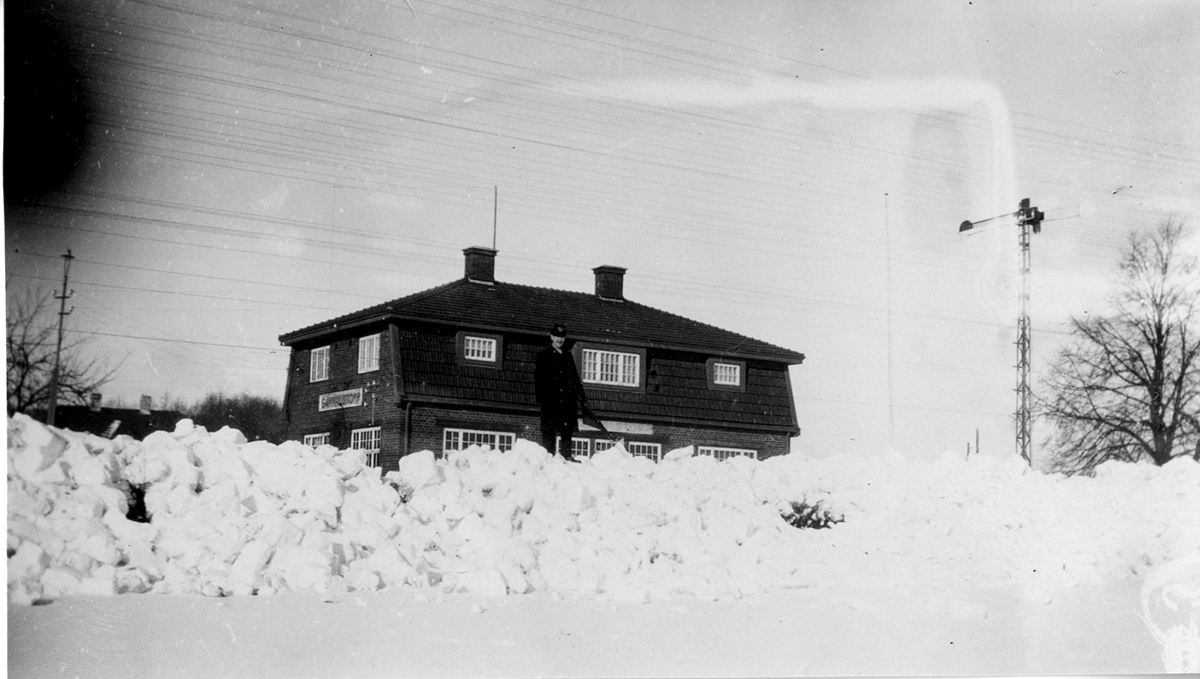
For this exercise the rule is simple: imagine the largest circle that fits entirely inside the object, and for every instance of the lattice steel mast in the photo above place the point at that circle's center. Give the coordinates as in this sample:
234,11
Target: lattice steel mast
1029,221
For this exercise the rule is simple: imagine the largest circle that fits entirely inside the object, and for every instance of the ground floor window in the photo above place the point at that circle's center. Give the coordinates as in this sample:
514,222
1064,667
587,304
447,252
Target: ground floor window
724,453
585,447
459,439
314,440
366,440
580,447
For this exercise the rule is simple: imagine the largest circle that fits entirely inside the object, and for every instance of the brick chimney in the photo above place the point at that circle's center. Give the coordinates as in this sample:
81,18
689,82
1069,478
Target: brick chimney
610,283
481,265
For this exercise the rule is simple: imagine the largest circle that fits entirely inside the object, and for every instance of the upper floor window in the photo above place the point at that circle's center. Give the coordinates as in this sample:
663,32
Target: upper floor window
726,374
479,349
318,364
614,368
366,440
368,353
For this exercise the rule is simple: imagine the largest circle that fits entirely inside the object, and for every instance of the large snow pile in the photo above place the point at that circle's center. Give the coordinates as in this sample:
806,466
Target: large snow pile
231,517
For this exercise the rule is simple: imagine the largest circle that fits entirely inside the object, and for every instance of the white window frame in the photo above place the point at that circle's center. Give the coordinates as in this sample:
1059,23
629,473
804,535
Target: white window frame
314,440
727,374
611,368
653,451
726,452
318,364
482,349
362,439
368,353
579,447
650,450
454,439
603,444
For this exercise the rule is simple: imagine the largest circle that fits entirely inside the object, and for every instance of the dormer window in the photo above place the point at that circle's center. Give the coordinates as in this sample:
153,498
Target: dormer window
726,374
611,367
479,349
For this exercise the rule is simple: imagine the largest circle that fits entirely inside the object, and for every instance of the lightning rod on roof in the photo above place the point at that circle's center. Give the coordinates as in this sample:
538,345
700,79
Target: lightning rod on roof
495,211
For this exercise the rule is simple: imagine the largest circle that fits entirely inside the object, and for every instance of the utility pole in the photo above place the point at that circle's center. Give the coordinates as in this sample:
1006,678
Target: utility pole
62,314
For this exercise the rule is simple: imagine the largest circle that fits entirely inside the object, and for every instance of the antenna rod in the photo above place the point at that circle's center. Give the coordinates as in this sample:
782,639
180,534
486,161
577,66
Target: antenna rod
62,313
495,211
887,245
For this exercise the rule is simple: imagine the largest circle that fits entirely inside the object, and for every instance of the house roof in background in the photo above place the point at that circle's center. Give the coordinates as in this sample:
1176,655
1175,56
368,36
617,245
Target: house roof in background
533,310
131,421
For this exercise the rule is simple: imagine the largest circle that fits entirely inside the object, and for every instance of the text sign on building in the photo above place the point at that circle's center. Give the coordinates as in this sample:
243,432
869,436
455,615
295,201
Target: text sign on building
340,399
636,428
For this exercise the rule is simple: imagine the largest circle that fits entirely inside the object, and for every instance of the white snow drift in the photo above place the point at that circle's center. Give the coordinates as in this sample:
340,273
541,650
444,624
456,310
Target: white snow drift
235,518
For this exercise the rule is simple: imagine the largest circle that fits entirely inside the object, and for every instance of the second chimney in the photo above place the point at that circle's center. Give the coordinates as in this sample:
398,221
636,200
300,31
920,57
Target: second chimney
610,283
481,265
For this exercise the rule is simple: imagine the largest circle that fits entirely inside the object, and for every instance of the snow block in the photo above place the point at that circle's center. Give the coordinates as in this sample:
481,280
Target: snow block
419,470
35,451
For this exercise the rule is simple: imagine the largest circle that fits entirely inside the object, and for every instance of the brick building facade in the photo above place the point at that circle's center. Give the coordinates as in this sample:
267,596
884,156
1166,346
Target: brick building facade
452,366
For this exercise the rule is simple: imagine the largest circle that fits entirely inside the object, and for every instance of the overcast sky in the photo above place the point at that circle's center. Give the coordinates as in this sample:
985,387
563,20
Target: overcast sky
792,171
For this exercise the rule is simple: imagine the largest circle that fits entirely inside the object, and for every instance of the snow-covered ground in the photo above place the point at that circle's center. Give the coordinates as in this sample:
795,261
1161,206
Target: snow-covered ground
264,560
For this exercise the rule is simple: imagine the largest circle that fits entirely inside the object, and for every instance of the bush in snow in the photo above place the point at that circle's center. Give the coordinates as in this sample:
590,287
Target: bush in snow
800,514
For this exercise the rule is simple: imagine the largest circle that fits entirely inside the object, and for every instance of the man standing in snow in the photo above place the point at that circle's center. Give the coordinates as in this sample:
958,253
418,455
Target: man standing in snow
558,387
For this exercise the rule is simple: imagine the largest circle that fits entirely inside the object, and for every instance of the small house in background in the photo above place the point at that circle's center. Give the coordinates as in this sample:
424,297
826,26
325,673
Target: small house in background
453,366
111,422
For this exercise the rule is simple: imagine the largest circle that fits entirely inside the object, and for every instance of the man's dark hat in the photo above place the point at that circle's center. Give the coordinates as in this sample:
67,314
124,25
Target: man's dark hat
559,330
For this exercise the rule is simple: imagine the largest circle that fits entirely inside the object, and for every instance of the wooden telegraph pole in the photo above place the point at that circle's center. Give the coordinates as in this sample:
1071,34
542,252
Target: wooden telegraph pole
62,314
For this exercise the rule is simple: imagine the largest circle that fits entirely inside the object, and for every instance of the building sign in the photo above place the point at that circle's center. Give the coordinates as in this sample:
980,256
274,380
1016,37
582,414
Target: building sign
635,428
340,399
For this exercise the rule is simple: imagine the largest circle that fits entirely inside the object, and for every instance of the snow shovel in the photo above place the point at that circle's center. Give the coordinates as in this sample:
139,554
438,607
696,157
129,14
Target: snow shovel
590,419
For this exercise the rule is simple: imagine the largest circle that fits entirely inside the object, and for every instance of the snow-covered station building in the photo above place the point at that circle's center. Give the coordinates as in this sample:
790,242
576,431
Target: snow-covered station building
453,365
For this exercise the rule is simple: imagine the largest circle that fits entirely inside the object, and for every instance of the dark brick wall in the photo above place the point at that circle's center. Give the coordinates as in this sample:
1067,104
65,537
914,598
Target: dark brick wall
428,423
378,407
674,381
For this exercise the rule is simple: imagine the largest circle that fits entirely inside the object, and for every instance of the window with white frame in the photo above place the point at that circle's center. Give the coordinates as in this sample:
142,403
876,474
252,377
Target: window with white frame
727,374
579,447
460,439
368,353
314,440
723,453
318,364
479,349
650,450
615,368
604,444
366,440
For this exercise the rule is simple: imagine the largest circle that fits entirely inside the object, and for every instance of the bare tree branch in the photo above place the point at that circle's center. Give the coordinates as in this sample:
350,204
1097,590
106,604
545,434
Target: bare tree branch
1128,387
31,340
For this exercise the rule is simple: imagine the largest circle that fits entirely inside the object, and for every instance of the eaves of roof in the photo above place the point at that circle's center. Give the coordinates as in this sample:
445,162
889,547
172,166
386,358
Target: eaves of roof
507,307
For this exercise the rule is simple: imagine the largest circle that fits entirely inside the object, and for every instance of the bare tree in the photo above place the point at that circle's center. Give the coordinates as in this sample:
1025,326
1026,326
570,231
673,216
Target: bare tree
257,417
31,330
1128,387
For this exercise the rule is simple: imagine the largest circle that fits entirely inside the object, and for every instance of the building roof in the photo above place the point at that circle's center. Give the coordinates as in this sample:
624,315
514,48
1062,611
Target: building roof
510,307
129,421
